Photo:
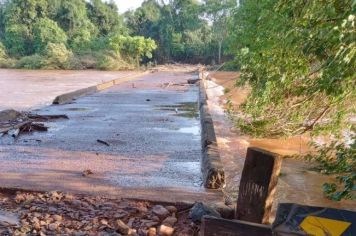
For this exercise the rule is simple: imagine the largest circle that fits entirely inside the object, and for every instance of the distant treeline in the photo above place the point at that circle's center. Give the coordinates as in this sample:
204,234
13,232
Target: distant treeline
79,34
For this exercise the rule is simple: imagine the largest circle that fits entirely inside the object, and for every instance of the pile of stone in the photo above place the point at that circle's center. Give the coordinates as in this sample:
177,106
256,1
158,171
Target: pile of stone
57,213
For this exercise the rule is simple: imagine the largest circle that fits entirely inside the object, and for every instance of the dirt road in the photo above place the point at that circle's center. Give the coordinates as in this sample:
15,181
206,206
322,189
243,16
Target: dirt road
140,139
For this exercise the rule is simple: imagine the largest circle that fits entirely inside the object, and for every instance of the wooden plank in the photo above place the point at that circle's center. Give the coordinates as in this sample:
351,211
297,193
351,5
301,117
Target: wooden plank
258,185
221,227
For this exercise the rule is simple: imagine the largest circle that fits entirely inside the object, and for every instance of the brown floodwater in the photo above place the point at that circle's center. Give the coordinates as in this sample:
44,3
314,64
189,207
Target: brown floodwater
28,89
297,183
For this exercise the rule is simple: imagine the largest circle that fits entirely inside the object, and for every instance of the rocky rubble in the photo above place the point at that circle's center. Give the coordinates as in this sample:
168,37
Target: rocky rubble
57,213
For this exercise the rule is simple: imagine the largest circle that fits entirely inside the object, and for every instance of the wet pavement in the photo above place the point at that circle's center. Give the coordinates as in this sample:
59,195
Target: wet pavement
297,184
26,89
152,130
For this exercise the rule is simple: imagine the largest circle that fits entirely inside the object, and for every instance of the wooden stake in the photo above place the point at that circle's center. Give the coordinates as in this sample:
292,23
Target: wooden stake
258,185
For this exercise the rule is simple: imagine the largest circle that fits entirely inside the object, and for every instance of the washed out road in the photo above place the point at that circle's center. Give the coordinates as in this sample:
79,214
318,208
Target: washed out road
140,139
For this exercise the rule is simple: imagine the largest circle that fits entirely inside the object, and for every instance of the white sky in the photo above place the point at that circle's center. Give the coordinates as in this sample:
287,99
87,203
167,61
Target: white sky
125,5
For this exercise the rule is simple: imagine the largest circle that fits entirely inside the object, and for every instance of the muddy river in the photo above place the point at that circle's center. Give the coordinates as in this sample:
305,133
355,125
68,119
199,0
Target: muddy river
25,89
297,182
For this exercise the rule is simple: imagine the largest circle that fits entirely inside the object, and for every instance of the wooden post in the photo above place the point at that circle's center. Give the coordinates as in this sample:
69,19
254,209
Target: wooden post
220,227
258,185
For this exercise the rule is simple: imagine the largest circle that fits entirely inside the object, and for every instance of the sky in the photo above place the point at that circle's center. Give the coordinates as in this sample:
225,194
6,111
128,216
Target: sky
125,5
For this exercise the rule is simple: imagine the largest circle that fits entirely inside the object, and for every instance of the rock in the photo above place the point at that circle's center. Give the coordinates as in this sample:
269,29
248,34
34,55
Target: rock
19,198
131,221
152,232
8,218
165,230
120,215
37,226
160,211
9,115
151,224
121,227
57,218
103,222
225,211
172,209
53,226
155,218
76,202
52,209
199,210
170,221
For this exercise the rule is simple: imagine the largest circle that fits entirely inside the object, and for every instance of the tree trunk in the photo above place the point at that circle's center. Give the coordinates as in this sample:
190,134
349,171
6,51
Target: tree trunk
219,53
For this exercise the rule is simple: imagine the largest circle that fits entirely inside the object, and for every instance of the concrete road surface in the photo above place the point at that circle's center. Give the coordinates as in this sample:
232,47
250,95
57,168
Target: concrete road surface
152,130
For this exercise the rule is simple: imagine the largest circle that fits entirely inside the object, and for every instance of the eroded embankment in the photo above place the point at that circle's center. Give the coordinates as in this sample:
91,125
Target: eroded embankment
296,184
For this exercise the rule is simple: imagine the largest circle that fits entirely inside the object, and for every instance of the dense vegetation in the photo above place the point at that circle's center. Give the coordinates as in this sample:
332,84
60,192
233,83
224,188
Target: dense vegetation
68,34
185,30
78,34
298,57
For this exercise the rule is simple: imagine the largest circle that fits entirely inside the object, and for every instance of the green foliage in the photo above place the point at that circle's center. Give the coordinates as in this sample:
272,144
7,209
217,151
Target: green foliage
32,62
104,16
338,159
2,51
73,18
17,40
56,56
112,61
135,47
25,12
46,31
181,28
299,59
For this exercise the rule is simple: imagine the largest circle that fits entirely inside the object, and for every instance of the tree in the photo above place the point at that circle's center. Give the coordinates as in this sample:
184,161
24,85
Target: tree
47,31
18,20
219,12
136,47
105,17
25,12
18,40
298,57
73,19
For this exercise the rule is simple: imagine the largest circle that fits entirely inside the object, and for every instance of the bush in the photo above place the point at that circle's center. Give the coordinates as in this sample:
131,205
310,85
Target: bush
112,61
32,62
2,51
47,31
57,56
337,159
17,40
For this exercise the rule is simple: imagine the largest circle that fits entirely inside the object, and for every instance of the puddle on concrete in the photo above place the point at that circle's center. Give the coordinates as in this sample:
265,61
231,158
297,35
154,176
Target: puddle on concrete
195,130
77,109
184,109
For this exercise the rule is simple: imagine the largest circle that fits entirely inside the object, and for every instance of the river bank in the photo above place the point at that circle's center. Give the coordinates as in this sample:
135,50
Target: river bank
297,182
